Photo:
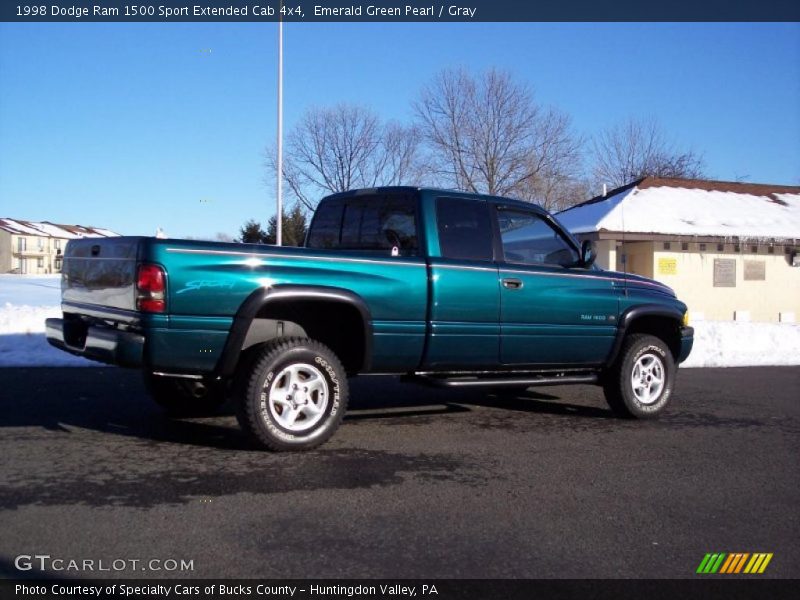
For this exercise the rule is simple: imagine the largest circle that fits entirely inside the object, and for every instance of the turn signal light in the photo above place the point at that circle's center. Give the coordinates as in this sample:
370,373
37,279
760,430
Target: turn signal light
151,287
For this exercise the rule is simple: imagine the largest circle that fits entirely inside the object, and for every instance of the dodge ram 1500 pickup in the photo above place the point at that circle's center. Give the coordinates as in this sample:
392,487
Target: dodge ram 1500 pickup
446,288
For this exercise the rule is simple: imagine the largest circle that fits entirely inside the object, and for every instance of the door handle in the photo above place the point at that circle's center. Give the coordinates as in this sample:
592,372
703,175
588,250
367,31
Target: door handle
512,283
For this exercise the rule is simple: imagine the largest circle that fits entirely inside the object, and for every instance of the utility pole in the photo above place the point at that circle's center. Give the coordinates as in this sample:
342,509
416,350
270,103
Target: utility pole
279,218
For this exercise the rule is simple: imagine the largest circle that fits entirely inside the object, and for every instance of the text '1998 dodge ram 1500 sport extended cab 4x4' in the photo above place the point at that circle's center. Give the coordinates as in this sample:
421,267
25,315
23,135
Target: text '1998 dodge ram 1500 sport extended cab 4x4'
447,288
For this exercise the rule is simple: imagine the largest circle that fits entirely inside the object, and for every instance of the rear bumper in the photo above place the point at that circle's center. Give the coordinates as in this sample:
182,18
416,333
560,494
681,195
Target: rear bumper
102,344
687,341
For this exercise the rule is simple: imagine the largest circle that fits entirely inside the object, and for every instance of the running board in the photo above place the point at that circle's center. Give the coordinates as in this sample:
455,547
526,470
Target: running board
441,381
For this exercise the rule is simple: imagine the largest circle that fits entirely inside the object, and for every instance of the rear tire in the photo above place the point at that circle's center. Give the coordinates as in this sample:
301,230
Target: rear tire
292,395
639,385
185,397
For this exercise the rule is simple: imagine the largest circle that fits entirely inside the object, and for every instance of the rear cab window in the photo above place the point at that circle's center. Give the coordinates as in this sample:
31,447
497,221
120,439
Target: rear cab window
372,223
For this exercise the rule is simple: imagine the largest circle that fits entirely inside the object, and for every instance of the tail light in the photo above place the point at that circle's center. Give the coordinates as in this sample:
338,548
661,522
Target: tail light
151,287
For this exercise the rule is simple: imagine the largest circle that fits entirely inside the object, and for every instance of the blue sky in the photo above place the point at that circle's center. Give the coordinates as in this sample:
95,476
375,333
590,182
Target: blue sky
135,126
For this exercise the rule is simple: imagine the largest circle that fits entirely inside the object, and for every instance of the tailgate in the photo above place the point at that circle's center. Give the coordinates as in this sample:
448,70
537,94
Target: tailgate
101,272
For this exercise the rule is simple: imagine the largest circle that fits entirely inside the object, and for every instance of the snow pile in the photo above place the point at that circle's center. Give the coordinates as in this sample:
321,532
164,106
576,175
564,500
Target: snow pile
22,339
739,344
683,211
25,302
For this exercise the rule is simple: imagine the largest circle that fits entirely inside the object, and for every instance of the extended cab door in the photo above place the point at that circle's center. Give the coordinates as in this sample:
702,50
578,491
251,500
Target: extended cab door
464,289
553,313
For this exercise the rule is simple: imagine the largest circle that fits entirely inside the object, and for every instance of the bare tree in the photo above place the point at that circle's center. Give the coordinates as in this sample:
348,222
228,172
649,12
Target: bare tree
343,147
556,162
639,148
486,134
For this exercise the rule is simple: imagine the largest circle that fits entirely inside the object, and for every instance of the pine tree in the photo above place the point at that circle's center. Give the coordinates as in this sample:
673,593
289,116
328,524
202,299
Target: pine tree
294,228
252,233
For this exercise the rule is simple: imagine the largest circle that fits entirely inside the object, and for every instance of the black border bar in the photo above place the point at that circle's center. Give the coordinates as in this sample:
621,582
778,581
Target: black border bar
705,587
405,11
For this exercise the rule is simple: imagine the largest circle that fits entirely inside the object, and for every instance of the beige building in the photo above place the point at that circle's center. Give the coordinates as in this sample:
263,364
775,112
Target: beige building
731,251
37,248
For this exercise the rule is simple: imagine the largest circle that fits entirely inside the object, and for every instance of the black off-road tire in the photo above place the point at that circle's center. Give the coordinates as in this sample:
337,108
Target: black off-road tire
266,399
652,354
185,397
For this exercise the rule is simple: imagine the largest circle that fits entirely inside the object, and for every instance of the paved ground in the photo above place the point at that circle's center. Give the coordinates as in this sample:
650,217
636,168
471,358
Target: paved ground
416,483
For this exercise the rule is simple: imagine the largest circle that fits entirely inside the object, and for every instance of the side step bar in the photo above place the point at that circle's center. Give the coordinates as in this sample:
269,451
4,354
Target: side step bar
528,380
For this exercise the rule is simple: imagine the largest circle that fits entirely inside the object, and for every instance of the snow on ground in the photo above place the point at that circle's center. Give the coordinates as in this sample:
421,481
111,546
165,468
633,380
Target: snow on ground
26,301
30,290
739,344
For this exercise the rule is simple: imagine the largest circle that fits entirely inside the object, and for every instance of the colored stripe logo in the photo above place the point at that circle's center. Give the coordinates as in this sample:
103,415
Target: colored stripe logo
734,563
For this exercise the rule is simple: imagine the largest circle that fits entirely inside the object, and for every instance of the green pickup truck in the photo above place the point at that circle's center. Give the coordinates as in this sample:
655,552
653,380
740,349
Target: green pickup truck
447,288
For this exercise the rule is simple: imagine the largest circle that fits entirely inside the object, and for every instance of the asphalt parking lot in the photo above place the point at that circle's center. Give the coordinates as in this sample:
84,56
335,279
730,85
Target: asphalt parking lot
416,483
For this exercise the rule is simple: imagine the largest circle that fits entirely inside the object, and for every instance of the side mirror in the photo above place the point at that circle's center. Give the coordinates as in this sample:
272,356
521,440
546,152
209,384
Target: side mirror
588,254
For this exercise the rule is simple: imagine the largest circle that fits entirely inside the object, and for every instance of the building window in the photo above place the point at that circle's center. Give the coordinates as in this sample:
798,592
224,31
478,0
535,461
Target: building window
770,249
702,247
667,245
40,262
685,246
737,248
754,249
720,247
22,244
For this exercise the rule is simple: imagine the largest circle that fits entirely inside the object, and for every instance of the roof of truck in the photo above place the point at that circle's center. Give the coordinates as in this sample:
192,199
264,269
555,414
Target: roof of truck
450,192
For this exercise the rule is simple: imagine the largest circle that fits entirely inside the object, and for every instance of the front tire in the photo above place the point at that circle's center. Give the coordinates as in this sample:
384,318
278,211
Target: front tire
292,395
640,383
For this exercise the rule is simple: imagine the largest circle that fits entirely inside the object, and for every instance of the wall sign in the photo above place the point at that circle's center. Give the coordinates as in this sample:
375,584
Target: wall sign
724,272
667,266
755,270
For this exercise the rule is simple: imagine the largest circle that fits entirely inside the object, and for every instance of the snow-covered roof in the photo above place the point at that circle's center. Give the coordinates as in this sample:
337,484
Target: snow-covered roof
692,207
53,230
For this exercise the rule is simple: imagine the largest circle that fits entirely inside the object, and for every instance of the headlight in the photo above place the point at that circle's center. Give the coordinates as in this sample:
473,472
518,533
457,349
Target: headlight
686,319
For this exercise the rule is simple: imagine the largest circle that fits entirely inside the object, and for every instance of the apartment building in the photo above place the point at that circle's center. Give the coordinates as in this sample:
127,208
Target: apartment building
33,248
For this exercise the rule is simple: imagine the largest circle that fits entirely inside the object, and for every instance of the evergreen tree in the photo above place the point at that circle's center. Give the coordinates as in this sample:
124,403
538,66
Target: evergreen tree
252,233
294,228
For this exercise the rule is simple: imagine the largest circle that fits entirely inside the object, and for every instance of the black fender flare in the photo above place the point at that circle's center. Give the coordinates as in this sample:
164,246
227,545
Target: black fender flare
262,297
636,312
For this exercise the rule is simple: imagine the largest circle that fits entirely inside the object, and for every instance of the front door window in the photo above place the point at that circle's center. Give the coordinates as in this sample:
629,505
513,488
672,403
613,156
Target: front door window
529,239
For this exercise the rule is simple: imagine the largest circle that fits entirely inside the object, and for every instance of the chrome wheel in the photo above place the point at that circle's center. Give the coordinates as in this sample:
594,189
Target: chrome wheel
647,378
298,397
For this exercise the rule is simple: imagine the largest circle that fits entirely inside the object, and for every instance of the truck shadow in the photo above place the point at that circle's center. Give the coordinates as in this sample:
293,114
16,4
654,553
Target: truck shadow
388,397
92,436
114,401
